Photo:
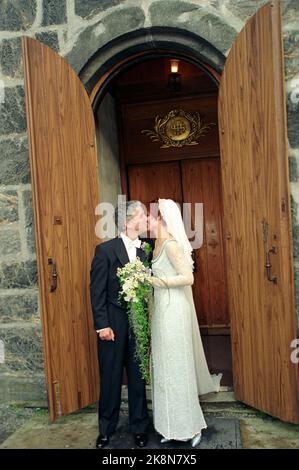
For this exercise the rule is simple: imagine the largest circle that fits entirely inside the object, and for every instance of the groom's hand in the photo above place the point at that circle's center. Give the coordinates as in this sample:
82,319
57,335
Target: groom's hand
107,334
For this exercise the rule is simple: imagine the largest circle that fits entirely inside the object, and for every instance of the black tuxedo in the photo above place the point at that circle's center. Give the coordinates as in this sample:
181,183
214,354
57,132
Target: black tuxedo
114,355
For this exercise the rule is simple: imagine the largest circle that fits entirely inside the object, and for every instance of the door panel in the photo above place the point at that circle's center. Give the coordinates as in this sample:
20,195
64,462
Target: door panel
137,117
155,180
65,193
254,165
201,182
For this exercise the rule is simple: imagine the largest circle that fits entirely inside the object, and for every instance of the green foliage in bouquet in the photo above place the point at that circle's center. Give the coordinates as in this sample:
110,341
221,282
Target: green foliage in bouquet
147,248
135,293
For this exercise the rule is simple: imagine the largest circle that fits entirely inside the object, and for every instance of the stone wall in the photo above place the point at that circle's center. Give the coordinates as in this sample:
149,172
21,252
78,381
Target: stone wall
76,29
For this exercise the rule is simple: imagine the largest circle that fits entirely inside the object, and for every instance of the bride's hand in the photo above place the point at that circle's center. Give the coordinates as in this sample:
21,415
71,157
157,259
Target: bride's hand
156,282
152,280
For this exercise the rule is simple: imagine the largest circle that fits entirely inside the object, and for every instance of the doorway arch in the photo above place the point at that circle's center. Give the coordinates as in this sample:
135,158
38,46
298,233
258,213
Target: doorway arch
123,51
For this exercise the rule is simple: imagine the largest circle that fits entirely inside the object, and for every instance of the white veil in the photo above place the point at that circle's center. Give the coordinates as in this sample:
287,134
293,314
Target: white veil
171,215
206,382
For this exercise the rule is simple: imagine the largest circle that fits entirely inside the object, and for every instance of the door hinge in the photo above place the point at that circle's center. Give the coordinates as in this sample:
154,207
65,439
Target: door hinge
56,386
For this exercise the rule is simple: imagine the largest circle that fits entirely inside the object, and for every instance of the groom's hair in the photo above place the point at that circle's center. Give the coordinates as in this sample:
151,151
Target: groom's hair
124,212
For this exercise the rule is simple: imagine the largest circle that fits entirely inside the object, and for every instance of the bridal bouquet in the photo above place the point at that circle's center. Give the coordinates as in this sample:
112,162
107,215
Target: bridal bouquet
135,292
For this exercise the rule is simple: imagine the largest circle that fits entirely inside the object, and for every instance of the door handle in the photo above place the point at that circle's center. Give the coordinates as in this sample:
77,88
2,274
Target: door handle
269,251
54,275
271,278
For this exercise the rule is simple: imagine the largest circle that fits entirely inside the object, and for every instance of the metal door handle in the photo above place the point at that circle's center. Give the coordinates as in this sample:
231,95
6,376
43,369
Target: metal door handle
272,250
54,275
271,278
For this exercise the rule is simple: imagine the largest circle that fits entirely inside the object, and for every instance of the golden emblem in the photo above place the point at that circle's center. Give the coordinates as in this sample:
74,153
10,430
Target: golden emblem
178,128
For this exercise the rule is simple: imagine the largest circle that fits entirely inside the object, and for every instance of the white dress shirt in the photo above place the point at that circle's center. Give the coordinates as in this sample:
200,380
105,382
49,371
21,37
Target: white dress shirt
130,246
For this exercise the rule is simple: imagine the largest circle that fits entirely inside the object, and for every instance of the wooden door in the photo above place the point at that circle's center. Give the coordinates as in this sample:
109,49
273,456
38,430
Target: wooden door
201,182
155,180
257,218
65,193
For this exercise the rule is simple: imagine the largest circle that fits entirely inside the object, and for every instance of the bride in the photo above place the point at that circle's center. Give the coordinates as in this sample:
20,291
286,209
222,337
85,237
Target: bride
179,369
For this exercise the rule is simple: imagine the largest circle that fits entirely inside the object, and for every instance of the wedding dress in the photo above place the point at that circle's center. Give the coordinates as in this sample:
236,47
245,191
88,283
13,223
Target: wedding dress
179,370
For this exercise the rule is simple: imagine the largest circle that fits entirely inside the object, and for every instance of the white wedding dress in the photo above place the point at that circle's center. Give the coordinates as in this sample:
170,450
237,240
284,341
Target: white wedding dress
179,371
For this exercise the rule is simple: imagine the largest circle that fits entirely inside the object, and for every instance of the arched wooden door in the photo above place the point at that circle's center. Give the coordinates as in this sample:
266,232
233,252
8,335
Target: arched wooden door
65,193
257,217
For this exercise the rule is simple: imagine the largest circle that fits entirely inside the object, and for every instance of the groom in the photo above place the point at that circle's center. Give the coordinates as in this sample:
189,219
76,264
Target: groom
116,346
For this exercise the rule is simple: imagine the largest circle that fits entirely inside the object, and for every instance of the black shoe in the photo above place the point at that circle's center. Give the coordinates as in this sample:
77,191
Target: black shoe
141,440
102,441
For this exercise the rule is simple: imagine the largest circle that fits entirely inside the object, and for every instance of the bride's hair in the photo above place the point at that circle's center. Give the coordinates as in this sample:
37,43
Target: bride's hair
156,212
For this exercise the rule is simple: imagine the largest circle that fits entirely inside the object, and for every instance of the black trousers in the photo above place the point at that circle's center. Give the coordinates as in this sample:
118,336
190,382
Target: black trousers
113,357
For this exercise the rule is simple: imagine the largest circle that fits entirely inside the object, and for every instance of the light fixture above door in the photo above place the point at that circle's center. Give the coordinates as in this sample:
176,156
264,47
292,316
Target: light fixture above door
174,78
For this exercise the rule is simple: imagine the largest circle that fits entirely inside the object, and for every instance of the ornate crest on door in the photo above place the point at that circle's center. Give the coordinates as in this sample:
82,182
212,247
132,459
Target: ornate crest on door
178,128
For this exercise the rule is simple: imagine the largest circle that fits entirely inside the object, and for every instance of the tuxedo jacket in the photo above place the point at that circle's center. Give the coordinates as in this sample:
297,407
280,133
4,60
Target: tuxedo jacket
104,283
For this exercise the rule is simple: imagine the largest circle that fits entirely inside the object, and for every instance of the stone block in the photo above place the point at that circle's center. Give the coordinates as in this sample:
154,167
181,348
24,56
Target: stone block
244,9
8,206
290,9
29,224
14,161
19,306
93,37
50,38
18,274
12,111
292,124
23,350
291,52
296,242
17,15
294,169
23,389
11,57
54,12
168,12
195,18
10,243
90,8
